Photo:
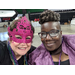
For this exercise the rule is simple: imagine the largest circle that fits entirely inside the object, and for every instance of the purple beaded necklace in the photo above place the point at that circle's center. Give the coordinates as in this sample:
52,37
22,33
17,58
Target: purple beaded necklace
13,58
59,58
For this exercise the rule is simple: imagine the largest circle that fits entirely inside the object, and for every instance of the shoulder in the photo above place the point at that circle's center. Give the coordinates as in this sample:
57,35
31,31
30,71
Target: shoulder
31,49
39,52
3,47
68,36
69,39
4,54
39,49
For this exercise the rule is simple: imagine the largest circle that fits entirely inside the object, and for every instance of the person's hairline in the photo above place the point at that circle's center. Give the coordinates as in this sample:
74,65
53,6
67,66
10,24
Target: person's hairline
54,21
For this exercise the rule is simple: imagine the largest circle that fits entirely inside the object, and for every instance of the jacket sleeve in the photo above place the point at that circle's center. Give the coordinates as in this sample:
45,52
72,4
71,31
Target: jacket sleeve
1,54
4,54
30,51
33,55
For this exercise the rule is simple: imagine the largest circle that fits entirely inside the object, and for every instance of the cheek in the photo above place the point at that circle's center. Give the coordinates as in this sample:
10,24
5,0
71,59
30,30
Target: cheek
14,44
58,40
43,40
29,44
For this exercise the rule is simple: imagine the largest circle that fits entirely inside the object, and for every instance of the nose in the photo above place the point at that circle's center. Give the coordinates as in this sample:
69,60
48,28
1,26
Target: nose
23,44
48,37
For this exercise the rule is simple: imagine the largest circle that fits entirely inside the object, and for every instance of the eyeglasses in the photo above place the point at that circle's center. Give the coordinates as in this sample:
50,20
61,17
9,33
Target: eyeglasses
52,33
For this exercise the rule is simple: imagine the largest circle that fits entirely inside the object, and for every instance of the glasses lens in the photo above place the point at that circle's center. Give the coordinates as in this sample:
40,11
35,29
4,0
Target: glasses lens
54,33
42,34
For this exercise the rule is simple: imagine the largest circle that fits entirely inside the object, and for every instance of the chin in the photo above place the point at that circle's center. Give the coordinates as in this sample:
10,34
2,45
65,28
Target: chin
22,53
50,49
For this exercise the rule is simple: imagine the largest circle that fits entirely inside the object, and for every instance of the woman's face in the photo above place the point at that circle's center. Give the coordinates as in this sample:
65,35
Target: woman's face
51,43
20,48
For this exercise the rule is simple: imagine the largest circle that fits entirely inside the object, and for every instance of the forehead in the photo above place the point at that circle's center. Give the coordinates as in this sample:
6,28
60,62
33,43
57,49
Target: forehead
49,26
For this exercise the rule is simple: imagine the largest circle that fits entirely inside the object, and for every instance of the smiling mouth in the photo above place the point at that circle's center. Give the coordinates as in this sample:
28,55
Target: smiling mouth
50,44
21,48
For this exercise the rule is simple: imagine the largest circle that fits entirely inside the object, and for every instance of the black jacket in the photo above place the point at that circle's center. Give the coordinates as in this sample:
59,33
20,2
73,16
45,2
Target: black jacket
5,57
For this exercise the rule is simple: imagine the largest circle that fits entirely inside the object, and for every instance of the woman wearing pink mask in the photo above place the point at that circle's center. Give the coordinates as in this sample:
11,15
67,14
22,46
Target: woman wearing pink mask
19,46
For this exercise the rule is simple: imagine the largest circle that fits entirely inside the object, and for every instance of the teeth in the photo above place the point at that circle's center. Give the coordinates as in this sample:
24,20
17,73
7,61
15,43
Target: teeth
50,44
22,48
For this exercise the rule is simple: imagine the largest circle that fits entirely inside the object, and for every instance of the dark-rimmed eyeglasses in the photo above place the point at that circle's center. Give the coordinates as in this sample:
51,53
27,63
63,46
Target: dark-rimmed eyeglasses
52,33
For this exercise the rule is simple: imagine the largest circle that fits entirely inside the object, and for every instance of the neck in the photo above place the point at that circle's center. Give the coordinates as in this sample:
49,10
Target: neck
17,56
56,51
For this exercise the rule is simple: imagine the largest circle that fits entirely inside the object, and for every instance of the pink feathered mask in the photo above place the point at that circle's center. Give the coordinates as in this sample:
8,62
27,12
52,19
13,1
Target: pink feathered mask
23,29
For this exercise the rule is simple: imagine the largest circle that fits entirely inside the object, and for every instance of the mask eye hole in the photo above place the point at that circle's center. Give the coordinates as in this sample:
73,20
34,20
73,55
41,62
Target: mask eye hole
28,37
18,36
